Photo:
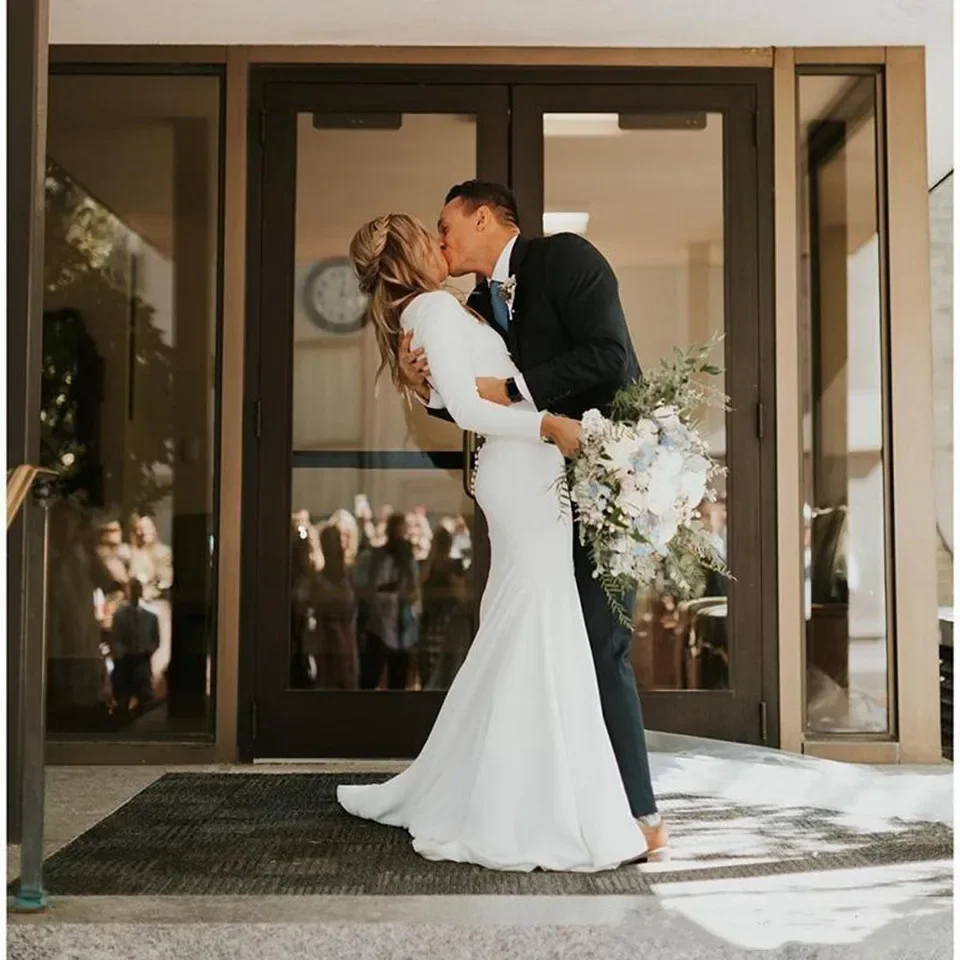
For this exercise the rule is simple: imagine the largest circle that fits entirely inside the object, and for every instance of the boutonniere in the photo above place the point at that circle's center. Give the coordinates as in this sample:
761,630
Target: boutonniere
507,289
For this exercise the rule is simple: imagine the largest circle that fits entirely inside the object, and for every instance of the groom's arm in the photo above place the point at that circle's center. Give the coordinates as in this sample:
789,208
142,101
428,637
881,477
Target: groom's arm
440,412
585,293
433,403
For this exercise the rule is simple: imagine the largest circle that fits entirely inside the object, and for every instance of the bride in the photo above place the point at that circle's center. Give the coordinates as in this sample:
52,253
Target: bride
518,772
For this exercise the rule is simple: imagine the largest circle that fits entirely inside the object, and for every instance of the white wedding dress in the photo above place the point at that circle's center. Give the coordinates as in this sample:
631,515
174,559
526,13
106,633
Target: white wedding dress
518,771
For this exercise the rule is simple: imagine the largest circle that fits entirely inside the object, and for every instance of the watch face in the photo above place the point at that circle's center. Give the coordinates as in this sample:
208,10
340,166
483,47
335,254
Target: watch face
332,298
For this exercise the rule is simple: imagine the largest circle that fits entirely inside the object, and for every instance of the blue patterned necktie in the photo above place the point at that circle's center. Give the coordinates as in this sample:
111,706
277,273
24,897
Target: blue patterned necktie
501,312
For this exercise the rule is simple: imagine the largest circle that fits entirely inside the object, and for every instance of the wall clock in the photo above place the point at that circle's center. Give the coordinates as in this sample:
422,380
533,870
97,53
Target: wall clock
332,298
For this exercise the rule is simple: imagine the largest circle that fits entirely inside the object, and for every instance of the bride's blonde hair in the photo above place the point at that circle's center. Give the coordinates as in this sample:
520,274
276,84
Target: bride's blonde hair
391,256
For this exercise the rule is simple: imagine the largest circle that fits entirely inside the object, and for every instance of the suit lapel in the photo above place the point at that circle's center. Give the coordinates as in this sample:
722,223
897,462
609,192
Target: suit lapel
480,301
518,257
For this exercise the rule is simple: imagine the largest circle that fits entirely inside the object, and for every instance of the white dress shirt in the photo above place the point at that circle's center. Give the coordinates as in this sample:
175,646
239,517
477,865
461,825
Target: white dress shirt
501,273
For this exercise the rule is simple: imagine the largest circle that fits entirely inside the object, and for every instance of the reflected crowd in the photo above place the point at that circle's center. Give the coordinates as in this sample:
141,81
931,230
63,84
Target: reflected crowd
111,622
379,600
384,600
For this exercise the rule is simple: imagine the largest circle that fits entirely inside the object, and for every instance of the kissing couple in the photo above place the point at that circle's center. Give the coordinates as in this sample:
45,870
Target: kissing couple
538,756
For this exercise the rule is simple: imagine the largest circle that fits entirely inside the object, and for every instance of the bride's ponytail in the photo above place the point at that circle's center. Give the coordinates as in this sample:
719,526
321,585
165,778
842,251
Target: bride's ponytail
390,255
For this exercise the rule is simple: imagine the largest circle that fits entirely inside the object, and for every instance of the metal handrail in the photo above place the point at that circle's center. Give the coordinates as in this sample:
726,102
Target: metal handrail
21,481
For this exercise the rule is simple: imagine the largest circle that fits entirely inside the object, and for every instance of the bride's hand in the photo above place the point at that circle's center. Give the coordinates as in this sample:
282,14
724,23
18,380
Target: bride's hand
567,434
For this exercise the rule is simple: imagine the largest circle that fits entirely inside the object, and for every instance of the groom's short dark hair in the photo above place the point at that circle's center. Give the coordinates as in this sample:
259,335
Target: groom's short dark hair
481,193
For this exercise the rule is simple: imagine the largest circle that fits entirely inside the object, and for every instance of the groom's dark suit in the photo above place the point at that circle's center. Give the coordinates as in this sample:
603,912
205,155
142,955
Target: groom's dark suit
569,338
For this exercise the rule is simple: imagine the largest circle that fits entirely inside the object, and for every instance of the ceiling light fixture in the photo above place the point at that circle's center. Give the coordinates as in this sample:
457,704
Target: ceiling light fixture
581,125
565,222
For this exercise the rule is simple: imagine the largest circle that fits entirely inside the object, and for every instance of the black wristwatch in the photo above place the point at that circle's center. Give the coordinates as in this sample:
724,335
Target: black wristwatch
513,391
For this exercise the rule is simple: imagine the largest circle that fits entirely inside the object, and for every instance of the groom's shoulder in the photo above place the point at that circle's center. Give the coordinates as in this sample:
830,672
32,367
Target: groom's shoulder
569,244
566,249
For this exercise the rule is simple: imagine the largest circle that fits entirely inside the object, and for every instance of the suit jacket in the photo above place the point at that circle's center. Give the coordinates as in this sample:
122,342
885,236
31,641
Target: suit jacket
568,335
135,632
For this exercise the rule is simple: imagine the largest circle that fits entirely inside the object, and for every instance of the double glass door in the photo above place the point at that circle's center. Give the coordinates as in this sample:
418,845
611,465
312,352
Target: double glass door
662,178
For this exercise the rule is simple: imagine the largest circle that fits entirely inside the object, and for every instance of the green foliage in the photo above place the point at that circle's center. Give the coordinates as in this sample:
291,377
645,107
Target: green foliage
678,382
681,382
88,261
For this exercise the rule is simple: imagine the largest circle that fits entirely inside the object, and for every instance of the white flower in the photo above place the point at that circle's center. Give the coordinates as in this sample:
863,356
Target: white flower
695,463
646,432
620,453
593,423
665,530
633,502
507,290
693,486
663,480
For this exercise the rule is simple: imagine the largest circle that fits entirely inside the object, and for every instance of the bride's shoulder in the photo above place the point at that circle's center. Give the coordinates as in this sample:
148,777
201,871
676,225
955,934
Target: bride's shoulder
426,306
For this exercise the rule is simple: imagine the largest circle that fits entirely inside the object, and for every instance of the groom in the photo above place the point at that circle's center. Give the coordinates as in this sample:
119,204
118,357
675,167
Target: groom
555,302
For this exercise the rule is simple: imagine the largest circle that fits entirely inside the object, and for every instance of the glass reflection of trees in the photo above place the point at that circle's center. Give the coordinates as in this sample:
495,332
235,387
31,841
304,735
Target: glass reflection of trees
90,263
95,321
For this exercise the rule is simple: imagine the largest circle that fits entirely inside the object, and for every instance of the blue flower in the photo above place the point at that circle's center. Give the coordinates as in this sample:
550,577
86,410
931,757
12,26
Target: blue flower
642,550
596,490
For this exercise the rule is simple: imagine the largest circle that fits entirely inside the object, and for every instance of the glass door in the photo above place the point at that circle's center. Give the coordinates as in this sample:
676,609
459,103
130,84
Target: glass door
342,463
664,180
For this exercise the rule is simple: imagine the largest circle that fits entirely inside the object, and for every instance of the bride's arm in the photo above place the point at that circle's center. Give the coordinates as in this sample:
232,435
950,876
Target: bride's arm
439,328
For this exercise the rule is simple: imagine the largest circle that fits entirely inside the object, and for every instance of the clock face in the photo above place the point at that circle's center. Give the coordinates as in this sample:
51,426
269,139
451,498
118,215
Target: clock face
332,297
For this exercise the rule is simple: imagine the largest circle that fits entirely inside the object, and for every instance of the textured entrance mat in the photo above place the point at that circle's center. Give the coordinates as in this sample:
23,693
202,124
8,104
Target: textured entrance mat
262,834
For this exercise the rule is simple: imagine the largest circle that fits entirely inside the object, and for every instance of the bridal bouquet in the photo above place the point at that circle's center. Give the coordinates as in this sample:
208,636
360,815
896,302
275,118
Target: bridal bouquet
642,474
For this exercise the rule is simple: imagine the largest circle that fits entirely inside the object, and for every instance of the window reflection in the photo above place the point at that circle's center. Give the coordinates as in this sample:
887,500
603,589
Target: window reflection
647,190
382,592
844,436
347,175
127,400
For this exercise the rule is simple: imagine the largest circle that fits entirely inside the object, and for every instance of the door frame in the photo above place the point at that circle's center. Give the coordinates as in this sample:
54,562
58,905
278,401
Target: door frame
703,712
367,723
759,82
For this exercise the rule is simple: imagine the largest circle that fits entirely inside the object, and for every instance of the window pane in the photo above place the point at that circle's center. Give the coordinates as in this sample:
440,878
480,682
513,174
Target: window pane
647,190
128,402
359,619
845,456
345,177
941,270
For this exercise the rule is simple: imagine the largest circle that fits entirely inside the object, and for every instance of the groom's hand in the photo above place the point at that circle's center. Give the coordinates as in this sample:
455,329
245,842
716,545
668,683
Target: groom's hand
490,388
414,368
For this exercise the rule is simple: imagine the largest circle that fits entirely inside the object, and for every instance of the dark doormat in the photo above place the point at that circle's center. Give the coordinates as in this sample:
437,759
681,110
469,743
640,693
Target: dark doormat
262,834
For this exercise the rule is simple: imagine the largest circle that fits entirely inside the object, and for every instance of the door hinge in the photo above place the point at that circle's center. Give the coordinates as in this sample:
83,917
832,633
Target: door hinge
257,418
763,721
760,420
262,131
253,720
